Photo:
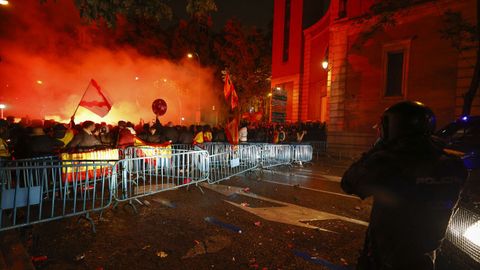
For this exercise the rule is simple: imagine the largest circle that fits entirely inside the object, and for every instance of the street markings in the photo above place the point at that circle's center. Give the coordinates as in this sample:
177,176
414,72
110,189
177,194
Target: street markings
313,189
287,213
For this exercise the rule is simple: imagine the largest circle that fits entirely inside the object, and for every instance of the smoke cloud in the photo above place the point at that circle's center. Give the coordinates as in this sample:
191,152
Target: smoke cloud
48,56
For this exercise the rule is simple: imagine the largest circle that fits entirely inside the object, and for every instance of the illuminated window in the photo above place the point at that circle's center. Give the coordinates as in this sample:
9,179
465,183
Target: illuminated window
286,31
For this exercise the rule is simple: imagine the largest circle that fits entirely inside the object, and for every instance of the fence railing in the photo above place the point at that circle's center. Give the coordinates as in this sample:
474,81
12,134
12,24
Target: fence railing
151,171
302,153
234,161
36,193
273,155
72,184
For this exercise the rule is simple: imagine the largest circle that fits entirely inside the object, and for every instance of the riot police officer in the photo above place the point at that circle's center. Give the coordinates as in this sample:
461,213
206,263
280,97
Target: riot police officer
415,187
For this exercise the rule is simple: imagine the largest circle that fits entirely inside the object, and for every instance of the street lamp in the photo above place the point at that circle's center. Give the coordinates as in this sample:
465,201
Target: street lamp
270,106
190,55
2,106
198,113
324,64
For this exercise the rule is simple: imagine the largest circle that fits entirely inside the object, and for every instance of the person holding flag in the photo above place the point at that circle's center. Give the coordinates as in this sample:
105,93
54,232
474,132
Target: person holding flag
231,129
229,92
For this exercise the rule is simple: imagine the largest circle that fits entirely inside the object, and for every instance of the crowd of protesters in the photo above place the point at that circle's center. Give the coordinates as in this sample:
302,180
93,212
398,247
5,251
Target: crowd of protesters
42,138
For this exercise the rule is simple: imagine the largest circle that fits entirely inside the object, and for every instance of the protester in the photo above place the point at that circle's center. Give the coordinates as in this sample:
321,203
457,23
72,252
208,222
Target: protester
415,187
198,138
219,135
207,133
16,136
300,134
40,144
186,136
170,133
243,133
126,135
85,139
4,151
151,135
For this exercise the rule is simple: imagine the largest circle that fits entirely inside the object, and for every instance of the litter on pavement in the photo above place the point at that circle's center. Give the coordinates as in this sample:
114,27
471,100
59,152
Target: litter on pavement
222,224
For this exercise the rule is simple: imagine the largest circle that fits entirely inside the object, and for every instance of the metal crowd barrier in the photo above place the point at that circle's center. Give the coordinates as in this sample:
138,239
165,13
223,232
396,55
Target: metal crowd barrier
48,188
152,170
276,155
302,153
236,160
182,146
33,194
319,147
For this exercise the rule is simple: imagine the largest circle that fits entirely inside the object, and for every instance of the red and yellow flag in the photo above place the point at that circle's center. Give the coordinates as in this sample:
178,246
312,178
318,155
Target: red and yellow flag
229,92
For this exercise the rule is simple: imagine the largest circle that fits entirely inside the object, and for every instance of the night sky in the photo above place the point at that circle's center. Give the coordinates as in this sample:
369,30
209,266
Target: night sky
45,69
249,12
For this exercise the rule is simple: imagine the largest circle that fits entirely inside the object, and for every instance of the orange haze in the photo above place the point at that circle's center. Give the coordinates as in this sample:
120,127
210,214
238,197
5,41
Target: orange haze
48,56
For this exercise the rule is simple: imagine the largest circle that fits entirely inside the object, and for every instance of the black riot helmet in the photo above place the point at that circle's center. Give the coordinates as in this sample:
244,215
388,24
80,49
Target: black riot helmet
407,119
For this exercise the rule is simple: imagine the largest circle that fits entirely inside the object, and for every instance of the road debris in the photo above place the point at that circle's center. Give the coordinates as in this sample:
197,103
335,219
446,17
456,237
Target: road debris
317,260
212,244
164,202
162,254
222,224
80,257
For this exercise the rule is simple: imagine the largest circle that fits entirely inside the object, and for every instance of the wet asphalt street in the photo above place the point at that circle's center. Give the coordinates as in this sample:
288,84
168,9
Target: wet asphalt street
288,218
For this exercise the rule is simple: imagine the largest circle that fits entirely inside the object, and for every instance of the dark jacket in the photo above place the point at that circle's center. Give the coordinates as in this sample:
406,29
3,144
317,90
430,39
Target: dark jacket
150,138
185,137
171,134
84,141
43,145
415,187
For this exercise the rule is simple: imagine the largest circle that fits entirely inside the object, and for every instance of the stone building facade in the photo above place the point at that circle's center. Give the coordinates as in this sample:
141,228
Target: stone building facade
367,70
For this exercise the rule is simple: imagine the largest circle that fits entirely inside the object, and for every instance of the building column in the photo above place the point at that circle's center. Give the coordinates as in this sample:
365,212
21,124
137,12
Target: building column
305,79
337,57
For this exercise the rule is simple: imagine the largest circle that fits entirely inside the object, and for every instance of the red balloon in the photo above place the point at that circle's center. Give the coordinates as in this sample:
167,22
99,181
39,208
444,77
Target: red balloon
159,107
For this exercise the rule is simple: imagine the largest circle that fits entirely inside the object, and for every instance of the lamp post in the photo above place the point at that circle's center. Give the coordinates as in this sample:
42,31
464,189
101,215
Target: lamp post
198,114
190,55
2,106
270,107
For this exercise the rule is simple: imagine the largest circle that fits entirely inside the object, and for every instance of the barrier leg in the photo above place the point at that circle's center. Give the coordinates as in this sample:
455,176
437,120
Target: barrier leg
89,219
196,185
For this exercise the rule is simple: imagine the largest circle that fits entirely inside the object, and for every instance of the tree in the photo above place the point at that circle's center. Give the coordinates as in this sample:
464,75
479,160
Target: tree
245,53
154,10
200,8
464,36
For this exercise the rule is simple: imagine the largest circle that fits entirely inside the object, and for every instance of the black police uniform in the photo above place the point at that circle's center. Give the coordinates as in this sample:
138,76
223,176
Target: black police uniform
415,187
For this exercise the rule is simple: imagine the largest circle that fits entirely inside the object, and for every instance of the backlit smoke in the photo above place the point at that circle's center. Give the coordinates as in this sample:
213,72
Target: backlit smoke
48,56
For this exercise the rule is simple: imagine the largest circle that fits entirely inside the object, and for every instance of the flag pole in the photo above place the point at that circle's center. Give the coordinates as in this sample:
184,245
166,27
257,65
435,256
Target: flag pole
78,105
